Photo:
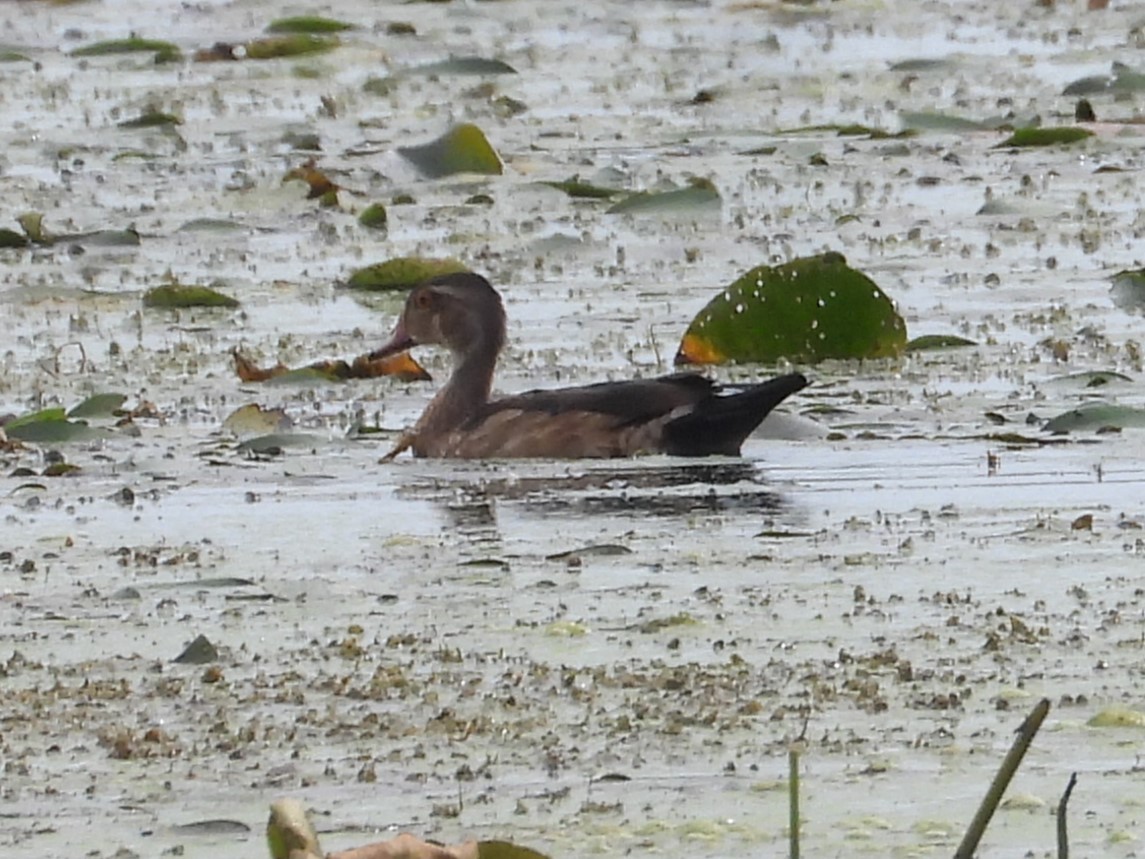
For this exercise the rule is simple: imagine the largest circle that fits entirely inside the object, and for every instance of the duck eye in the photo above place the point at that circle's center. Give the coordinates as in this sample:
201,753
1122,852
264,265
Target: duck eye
423,300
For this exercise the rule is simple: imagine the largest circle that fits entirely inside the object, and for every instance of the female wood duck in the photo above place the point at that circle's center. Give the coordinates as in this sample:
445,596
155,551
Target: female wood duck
683,414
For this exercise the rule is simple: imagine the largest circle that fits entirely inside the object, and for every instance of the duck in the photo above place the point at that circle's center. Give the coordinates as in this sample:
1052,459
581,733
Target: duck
682,414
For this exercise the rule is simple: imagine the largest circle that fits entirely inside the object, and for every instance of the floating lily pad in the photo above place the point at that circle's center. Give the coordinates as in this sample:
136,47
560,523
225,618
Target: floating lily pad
12,239
1122,79
162,50
922,121
1128,290
506,850
1090,379
253,420
374,217
1096,416
402,273
1117,716
586,190
929,342
699,195
307,24
1024,137
463,66
175,295
151,119
276,442
809,309
50,426
289,831
198,652
463,149
291,45
211,225
98,406
9,56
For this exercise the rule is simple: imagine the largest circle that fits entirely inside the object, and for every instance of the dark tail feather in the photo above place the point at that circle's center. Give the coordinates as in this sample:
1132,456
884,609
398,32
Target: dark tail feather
719,424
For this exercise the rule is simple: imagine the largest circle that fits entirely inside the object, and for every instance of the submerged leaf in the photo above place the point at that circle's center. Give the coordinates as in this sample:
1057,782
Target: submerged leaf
463,66
928,342
699,195
1096,416
1023,137
98,406
175,295
307,24
402,273
462,149
809,309
292,45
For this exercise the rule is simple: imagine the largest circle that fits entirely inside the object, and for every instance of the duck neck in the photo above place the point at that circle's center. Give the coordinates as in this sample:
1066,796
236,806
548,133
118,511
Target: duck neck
464,394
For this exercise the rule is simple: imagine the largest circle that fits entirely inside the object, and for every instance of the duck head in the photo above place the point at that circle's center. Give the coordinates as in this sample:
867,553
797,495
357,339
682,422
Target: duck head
461,312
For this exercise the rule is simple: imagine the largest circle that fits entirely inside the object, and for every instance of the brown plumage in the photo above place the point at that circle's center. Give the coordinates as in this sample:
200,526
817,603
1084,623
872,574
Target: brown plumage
683,414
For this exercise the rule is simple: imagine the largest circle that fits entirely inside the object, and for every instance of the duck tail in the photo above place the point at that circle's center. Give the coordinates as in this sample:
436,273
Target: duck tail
718,425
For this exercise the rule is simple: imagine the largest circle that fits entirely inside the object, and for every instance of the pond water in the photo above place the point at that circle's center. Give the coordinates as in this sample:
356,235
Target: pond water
468,649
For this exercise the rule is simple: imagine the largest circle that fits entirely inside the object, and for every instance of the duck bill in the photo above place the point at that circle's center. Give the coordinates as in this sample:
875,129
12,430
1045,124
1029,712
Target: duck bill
399,341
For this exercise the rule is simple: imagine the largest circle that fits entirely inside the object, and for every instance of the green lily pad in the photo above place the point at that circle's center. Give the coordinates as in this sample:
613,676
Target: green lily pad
402,273
289,830
1121,80
1090,379
103,238
463,149
463,66
928,342
162,50
923,121
1128,290
274,442
12,239
585,190
1093,416
699,195
98,406
1117,716
506,850
50,426
175,295
373,217
1025,137
289,45
151,119
210,225
809,309
307,24
9,56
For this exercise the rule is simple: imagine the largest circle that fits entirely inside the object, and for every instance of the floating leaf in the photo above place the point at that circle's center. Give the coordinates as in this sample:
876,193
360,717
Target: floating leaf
214,826
210,225
320,184
939,122
402,273
1090,379
12,239
1096,416
699,195
576,188
98,406
1023,137
921,64
162,50
928,342
198,652
462,149
9,56
463,66
506,850
175,295
50,426
151,119
1128,290
275,442
1121,80
307,24
253,419
292,45
373,217
289,831
808,309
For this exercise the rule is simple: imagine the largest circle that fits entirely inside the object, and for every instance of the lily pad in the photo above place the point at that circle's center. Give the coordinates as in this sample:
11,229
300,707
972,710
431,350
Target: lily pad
163,50
50,426
253,420
1090,379
929,342
402,273
1117,716
151,119
462,149
289,831
176,295
98,406
809,309
586,190
307,24
1096,416
1121,80
700,194
290,45
373,217
1128,290
921,121
12,239
1025,137
463,66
